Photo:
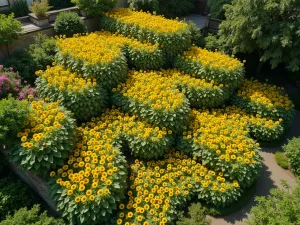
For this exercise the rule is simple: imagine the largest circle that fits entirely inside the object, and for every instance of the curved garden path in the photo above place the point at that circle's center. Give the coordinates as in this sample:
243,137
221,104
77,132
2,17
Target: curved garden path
271,176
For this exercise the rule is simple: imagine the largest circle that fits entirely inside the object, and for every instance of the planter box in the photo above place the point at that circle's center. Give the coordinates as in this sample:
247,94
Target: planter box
40,22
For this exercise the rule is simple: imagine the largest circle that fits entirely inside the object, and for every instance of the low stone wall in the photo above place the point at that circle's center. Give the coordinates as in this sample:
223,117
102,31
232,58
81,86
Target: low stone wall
36,183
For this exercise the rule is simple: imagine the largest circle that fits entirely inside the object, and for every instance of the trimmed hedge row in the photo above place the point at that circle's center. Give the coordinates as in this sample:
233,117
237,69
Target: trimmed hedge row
83,96
211,66
172,36
224,144
47,139
267,100
159,188
89,186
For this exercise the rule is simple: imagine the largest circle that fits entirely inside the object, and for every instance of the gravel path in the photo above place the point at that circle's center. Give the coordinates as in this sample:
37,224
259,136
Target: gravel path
271,176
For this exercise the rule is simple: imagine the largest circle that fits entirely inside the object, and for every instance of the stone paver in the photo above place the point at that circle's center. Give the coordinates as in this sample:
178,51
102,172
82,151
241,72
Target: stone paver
271,176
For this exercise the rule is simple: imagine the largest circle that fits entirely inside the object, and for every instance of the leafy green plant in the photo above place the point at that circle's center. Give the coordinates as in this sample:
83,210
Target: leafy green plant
69,23
12,116
60,4
196,34
10,30
281,160
43,51
212,42
197,216
282,206
269,28
47,139
31,217
95,7
170,9
20,8
40,8
292,150
217,8
13,195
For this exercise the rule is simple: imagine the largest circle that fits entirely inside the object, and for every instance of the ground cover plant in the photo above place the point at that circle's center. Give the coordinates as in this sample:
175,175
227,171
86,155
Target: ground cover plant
147,139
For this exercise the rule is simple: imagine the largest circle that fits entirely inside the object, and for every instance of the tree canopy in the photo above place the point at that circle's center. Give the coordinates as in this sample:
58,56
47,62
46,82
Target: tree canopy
269,27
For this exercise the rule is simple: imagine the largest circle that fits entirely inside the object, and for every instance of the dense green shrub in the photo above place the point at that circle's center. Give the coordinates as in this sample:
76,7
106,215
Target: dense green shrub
95,7
281,207
47,139
281,160
20,8
60,4
197,216
31,217
196,34
69,23
81,96
211,42
13,196
12,116
10,30
216,8
43,50
172,36
292,150
170,8
23,63
40,54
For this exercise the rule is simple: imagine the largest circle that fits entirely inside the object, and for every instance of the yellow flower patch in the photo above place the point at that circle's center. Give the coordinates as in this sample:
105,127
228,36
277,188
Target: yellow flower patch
146,20
156,187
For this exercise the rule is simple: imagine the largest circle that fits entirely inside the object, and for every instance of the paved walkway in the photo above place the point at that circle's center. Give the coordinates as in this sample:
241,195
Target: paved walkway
198,19
271,177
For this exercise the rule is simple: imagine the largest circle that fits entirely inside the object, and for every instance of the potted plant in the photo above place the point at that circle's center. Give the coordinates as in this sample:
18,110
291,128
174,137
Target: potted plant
39,11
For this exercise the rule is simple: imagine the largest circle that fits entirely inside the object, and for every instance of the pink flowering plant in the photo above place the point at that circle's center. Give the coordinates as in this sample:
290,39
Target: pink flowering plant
10,82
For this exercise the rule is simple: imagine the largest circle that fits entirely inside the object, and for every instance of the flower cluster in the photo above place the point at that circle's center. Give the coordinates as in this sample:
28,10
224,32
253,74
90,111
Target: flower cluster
94,177
265,99
200,93
158,188
153,98
172,36
10,82
93,56
261,128
222,140
211,66
83,96
47,139
28,92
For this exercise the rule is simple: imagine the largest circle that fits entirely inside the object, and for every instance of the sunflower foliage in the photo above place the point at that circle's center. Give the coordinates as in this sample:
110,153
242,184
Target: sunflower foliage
47,139
266,100
82,96
172,36
223,143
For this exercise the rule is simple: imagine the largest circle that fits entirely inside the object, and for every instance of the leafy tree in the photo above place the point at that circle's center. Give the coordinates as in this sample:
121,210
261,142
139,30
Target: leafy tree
269,27
10,30
197,216
31,217
95,7
281,207
216,8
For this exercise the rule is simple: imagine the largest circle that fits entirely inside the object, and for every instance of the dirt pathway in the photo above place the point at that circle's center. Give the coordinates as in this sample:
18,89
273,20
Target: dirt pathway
271,176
